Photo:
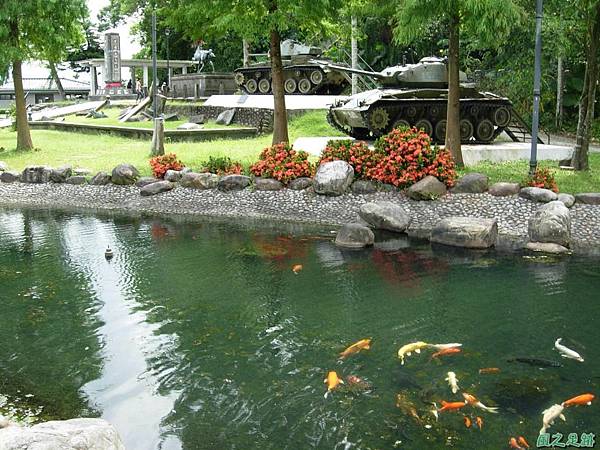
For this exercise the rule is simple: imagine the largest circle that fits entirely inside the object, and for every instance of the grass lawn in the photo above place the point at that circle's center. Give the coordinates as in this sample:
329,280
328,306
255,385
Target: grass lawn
103,152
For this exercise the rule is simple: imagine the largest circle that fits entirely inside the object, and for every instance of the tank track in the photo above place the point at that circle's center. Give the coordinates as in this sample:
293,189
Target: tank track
356,133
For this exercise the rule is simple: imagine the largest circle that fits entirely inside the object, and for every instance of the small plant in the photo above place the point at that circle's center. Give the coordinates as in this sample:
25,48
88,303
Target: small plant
283,163
355,153
222,165
160,164
542,178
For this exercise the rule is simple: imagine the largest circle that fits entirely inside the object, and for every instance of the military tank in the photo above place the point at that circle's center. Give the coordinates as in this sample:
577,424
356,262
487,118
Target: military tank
302,75
417,95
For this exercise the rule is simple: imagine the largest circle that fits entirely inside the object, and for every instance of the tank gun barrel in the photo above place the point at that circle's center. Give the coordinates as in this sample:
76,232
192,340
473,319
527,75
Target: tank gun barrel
327,65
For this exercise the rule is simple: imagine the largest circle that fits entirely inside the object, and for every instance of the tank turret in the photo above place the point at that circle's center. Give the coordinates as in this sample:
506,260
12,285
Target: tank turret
416,95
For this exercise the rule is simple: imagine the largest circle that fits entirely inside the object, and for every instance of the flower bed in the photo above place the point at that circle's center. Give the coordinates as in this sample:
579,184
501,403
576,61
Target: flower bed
282,163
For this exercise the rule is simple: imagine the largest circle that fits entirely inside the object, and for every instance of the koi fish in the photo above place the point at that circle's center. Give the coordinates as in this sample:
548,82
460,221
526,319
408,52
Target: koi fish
407,407
550,415
297,268
513,444
583,399
407,349
467,421
566,352
451,406
479,422
363,344
452,382
489,370
521,440
434,411
538,362
472,400
445,346
446,351
333,381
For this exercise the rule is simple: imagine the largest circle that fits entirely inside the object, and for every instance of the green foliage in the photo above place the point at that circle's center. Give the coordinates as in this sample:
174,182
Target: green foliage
222,165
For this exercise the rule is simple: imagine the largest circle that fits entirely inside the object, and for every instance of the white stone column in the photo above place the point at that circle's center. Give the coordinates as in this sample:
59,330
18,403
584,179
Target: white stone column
145,73
94,86
184,70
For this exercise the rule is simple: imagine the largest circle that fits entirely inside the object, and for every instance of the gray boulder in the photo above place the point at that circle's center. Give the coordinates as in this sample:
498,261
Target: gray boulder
76,179
353,235
124,174
567,199
300,184
100,179
226,117
36,174
333,178
145,181
589,198
9,177
61,174
538,194
230,183
469,232
267,184
173,176
156,188
504,189
199,180
198,119
546,247
551,223
3,166
364,187
74,434
429,188
385,216
471,183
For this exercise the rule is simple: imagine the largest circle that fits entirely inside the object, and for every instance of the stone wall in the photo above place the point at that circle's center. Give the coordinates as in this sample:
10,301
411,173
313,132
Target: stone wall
202,85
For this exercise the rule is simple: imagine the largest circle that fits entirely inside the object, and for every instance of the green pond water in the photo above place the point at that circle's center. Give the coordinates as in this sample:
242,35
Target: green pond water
200,336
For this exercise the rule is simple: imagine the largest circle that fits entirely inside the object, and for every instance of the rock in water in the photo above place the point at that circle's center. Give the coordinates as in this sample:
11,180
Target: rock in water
199,180
353,235
469,232
74,434
504,189
429,188
333,178
226,117
385,216
124,174
156,188
551,223
546,247
471,183
233,183
538,194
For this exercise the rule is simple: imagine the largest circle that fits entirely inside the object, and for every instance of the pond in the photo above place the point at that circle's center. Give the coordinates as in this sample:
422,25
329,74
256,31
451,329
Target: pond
199,335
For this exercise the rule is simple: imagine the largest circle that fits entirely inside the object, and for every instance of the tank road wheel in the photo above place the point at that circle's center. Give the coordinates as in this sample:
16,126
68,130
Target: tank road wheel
502,116
425,125
289,85
411,111
466,130
379,119
251,86
239,78
434,111
440,131
316,76
304,86
485,131
401,123
474,110
264,86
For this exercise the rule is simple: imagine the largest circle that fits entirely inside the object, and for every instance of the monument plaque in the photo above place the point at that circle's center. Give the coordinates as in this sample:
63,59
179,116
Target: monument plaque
112,60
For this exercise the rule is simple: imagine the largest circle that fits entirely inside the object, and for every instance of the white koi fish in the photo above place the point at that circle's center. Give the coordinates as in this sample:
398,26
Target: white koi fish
550,415
473,401
452,382
445,346
566,352
407,349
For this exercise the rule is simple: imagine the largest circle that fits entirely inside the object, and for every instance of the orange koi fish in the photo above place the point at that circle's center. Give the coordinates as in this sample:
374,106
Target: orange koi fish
479,422
489,370
363,344
513,444
297,268
451,406
446,351
467,421
472,400
333,381
583,399
523,442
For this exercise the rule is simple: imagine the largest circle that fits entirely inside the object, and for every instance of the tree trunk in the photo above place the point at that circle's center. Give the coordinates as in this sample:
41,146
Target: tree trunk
23,135
158,138
580,160
354,53
453,114
560,87
59,86
246,51
280,124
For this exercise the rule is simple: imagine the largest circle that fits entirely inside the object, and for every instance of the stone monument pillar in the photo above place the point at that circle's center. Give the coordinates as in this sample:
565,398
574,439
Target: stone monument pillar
112,60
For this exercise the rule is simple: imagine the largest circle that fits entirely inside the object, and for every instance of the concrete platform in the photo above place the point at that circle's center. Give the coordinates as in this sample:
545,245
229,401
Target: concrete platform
315,145
293,102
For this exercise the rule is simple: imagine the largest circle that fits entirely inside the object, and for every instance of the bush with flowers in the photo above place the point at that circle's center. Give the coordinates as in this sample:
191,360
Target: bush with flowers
160,164
283,163
406,156
542,178
222,165
355,153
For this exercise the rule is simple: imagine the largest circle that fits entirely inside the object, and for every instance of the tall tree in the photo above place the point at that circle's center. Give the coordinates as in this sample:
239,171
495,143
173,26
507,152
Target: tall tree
35,29
486,21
